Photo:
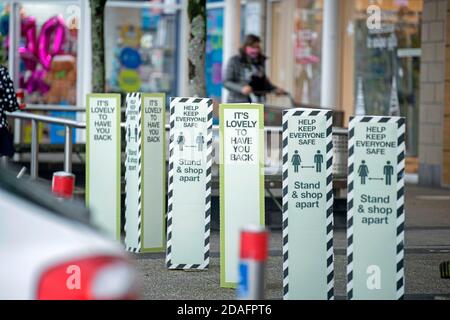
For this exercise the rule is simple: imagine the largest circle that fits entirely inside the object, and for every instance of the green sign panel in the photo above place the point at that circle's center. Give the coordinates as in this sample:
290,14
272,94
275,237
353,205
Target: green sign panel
375,226
241,180
103,161
145,167
307,204
189,193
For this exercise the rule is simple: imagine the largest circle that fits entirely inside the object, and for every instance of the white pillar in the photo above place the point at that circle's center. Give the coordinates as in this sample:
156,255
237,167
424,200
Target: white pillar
13,62
231,34
330,54
183,83
84,63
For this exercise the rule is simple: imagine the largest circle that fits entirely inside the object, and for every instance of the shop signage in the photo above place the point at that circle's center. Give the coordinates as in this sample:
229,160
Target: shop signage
241,180
189,193
103,161
375,202
307,204
145,172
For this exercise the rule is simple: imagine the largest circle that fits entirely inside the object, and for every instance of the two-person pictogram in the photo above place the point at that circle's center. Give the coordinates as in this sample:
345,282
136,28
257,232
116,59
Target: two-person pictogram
297,160
129,137
388,172
199,140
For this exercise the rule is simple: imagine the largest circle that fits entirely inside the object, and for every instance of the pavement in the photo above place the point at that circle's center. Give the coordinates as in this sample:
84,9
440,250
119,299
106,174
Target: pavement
427,243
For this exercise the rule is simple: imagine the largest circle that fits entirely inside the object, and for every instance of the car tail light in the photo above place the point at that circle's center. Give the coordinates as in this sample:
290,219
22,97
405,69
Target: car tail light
93,278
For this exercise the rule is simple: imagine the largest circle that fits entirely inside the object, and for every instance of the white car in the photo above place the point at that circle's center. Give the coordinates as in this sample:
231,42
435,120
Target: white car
48,251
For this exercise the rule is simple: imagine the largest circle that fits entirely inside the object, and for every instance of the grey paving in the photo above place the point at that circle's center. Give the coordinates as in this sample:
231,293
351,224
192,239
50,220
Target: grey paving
427,243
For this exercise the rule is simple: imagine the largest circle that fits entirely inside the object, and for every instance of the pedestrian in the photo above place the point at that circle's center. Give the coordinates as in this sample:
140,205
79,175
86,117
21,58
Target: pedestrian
8,102
245,74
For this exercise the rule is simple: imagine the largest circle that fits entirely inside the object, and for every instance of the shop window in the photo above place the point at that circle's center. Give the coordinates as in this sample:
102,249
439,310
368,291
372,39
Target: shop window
48,55
4,28
141,49
47,59
387,63
307,51
214,53
295,55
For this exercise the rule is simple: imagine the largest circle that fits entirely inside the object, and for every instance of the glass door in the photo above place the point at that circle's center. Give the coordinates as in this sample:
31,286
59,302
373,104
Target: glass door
387,64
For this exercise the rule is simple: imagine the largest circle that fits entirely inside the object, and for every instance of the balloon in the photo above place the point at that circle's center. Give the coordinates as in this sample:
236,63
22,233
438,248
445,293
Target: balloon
28,52
35,82
129,80
130,58
28,30
54,26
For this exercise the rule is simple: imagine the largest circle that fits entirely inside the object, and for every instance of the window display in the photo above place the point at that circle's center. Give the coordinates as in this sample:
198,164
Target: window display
48,54
140,49
307,51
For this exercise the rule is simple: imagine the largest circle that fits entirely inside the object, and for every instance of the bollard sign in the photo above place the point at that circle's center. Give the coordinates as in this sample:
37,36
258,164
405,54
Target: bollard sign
145,167
103,161
307,204
375,218
189,193
153,148
241,181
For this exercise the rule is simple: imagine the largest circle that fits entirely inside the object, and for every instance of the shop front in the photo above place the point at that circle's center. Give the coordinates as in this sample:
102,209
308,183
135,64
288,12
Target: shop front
42,44
378,68
142,46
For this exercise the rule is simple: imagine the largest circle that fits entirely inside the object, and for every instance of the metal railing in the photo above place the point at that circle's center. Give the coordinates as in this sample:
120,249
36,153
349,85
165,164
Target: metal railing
68,136
69,125
49,107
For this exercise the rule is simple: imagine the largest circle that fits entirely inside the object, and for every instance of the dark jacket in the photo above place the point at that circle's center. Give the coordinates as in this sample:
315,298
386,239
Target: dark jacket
241,71
8,99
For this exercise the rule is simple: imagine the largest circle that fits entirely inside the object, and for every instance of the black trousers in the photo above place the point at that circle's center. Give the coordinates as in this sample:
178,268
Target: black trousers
6,143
